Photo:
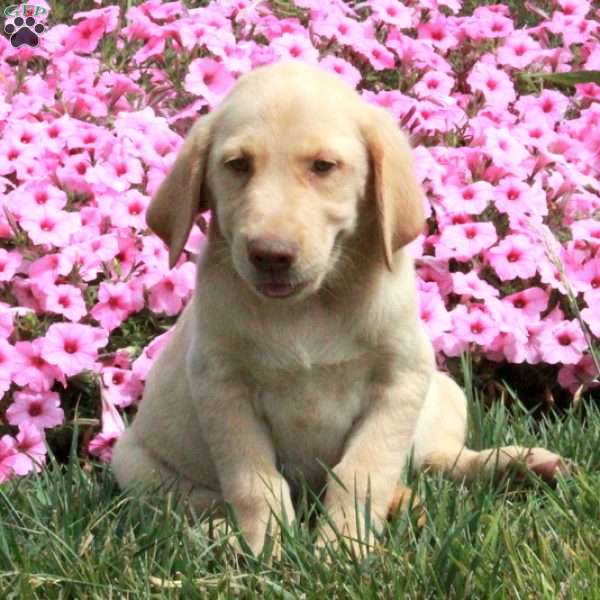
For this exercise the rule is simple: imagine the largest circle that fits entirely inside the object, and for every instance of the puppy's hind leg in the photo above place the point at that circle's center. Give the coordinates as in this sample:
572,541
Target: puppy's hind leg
441,434
133,465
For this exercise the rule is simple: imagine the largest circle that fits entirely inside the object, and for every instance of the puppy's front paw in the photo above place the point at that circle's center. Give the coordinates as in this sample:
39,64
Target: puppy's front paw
405,501
546,464
357,537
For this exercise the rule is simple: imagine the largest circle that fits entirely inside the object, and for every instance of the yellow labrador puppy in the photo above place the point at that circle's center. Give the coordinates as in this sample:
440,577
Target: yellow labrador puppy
301,357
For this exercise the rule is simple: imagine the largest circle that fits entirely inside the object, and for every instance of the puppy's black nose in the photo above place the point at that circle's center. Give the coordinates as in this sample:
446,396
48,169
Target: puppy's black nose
272,254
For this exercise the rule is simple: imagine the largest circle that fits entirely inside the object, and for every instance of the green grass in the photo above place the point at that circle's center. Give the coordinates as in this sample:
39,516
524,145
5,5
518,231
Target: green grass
70,533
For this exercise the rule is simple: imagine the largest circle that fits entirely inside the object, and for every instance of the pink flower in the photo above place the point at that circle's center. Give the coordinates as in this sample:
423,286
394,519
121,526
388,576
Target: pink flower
73,347
434,84
123,387
495,85
8,458
531,301
469,284
591,316
66,300
583,373
562,342
142,364
41,409
296,47
472,198
169,294
515,256
377,54
438,32
209,79
434,314
474,325
31,449
465,240
587,276
31,369
45,270
84,36
116,301
519,50
505,150
7,355
51,226
514,197
112,428
548,107
9,263
344,69
392,12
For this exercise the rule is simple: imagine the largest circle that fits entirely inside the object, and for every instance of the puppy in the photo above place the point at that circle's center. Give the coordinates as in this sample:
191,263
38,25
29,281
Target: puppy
301,357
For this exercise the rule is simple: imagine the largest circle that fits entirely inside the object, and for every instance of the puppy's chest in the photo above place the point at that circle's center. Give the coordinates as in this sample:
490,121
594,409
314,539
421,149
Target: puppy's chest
310,414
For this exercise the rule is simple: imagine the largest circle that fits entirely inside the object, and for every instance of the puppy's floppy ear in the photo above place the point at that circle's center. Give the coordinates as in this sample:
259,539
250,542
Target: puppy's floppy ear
398,197
180,197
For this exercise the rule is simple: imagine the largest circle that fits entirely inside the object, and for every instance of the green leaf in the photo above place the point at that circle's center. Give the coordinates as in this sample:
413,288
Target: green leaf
565,79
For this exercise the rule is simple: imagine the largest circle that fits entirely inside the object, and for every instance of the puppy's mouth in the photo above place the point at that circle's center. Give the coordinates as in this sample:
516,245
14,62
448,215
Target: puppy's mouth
275,285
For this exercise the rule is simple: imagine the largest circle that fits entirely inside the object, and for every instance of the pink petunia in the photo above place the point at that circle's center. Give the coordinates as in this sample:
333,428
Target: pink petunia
519,50
515,197
169,294
531,301
116,301
434,314
469,284
439,32
7,367
434,84
583,373
495,85
591,315
505,151
472,198
8,458
51,226
123,387
562,342
296,47
464,241
144,362
9,263
41,409
515,256
112,428
392,12
31,369
474,325
66,300
350,74
209,79
31,449
72,347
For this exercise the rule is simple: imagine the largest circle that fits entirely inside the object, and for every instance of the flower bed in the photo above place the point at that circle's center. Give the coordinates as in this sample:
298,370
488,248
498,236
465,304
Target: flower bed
92,118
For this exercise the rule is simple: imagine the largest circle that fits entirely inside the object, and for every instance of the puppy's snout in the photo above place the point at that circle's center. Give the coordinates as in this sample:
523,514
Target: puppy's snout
272,254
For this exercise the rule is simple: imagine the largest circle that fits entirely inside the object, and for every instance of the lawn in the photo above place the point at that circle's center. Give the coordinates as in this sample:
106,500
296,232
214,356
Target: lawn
501,106
70,533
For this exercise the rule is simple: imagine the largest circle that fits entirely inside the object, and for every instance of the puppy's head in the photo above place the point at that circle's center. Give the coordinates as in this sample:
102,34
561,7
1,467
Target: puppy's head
289,164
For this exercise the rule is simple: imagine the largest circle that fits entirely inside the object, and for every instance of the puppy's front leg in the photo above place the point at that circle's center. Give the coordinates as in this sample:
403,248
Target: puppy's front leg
243,455
368,474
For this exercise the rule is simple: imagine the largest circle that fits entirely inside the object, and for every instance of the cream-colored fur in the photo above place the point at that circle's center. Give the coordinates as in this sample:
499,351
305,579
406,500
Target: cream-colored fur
255,393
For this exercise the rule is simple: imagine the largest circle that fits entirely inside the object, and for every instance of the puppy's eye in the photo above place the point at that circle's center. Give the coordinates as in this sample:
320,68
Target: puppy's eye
239,165
322,166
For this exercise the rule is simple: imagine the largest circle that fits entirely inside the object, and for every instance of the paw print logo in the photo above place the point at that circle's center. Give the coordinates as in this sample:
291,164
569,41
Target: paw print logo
24,31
